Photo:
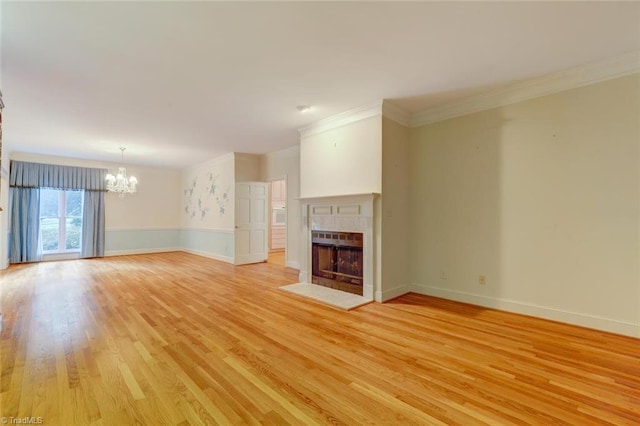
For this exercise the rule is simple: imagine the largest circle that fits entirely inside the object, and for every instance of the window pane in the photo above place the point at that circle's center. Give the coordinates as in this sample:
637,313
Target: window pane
49,202
61,220
73,234
49,232
74,203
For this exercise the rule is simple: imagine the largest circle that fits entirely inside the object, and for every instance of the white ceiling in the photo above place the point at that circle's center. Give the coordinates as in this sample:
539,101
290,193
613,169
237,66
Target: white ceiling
178,83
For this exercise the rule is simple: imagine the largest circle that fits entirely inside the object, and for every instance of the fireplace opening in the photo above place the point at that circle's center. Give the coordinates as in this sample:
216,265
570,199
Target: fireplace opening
337,260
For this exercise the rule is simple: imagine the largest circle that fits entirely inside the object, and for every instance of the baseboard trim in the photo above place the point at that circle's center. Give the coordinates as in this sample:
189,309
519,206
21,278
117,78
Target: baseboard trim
123,229
213,256
394,292
294,265
583,320
109,253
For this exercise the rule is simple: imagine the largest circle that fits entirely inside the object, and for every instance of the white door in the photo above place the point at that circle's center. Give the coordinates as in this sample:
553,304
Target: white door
251,222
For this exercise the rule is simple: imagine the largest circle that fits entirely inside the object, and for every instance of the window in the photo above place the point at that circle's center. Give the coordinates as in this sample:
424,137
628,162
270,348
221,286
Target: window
60,220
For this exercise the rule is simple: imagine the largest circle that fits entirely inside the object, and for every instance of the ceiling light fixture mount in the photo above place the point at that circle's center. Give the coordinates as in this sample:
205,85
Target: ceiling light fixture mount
120,183
303,108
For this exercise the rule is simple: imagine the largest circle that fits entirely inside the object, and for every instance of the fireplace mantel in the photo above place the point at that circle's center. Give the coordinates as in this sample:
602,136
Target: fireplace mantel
336,198
342,213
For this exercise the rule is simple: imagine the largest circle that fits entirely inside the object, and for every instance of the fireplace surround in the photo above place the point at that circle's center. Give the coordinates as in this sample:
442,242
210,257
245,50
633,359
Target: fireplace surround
348,214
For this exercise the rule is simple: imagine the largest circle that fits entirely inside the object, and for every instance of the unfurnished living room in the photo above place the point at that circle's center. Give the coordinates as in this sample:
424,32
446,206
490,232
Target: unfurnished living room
320,213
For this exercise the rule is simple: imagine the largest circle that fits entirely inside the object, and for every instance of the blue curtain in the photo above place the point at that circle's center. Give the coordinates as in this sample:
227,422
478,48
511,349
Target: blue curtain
26,179
25,231
93,224
36,175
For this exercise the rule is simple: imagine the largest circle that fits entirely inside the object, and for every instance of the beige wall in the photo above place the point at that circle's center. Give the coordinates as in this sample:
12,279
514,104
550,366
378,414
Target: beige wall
285,164
394,210
155,205
542,197
247,167
342,161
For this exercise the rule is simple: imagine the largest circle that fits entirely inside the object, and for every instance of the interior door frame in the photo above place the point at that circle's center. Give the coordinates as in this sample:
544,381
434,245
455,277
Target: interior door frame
286,212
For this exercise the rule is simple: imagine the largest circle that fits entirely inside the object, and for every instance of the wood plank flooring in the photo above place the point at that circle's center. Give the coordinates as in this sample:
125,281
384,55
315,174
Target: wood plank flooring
177,339
277,257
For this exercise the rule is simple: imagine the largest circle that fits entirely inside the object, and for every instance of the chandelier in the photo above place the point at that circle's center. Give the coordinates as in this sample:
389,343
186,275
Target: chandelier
120,183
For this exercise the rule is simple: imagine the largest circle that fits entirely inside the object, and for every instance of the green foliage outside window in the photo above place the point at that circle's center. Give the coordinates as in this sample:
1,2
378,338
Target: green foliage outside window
49,233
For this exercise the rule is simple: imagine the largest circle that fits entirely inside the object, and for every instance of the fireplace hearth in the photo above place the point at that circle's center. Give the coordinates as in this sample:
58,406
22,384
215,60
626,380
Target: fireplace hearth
337,260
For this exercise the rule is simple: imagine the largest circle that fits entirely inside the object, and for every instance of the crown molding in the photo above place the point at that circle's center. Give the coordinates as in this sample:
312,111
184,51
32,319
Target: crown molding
377,108
245,156
293,151
229,156
395,113
342,119
618,66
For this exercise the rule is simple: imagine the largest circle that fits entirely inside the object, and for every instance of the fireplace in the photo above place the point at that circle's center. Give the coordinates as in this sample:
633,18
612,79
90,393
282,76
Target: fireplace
337,260
350,218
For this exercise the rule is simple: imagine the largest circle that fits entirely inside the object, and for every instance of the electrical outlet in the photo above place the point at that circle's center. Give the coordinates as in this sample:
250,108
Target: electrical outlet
443,275
482,280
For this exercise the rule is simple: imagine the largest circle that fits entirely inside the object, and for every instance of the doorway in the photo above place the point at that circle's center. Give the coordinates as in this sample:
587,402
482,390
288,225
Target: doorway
278,221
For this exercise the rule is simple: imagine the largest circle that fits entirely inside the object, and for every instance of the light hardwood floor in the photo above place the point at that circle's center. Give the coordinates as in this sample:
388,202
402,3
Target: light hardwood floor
177,339
277,257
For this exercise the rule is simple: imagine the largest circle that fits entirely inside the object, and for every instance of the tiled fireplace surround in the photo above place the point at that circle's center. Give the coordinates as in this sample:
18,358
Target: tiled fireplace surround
348,213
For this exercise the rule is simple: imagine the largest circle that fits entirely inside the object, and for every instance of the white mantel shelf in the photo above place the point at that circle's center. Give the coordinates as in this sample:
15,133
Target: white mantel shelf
336,197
